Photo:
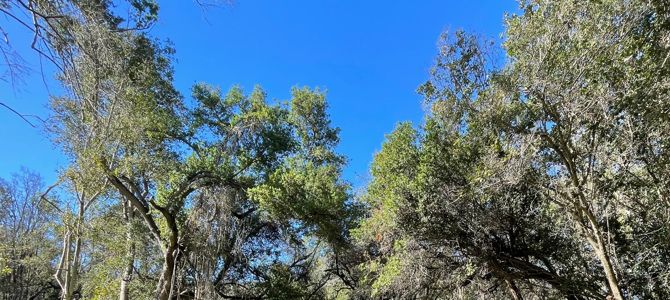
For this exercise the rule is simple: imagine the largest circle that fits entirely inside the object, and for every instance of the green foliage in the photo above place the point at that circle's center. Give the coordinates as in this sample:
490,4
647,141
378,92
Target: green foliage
541,175
533,176
27,246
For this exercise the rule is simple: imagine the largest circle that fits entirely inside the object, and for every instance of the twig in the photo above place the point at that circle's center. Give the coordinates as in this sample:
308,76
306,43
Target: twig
22,116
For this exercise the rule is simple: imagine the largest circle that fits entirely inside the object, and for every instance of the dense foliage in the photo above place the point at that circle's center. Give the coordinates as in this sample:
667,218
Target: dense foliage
541,171
544,177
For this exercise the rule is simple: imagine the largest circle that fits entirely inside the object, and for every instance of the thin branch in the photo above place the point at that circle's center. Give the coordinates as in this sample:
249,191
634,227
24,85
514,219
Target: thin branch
22,116
44,195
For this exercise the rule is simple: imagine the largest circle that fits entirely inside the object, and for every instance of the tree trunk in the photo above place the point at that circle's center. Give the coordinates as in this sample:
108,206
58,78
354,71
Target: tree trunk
73,272
582,207
65,253
167,280
127,275
66,264
72,260
513,289
125,281
603,256
165,284
598,243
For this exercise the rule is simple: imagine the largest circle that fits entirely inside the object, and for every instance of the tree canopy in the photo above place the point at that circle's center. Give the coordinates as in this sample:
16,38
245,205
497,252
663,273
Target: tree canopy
541,171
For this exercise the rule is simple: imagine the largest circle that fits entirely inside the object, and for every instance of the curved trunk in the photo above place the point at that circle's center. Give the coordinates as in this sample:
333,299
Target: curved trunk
166,282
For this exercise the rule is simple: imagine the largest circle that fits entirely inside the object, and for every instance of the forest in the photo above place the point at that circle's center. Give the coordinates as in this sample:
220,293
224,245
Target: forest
541,169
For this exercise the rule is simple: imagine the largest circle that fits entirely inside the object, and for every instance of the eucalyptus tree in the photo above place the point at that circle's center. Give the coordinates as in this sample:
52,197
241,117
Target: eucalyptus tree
118,82
79,39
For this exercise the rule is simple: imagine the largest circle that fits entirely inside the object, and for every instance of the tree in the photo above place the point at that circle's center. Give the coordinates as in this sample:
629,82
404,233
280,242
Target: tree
540,175
135,127
267,204
25,243
586,74
562,135
73,217
462,196
60,29
124,122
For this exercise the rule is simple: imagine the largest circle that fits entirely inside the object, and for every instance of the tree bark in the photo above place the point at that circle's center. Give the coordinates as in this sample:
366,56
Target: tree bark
171,255
603,256
598,243
513,289
127,275
73,273
70,260
165,284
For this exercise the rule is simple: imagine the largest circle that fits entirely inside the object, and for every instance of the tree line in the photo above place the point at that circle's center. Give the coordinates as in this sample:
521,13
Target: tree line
541,170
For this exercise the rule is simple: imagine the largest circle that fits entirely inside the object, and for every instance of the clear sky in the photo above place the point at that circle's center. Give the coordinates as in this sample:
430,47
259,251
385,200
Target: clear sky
370,56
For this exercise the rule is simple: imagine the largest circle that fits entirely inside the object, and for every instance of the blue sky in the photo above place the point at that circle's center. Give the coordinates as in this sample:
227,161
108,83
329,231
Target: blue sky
369,55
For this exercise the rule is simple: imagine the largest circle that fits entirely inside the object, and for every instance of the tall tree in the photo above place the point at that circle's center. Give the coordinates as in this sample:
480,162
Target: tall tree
462,195
562,136
586,74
